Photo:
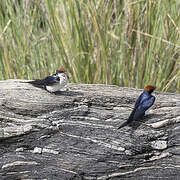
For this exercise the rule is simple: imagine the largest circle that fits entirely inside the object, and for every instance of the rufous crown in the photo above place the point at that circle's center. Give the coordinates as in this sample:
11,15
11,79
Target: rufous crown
149,88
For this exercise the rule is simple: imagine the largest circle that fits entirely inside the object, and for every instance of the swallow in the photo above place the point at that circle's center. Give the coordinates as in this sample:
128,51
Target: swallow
143,103
54,82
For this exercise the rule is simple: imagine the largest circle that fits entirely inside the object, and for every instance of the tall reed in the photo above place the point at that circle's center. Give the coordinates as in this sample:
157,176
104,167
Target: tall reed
123,42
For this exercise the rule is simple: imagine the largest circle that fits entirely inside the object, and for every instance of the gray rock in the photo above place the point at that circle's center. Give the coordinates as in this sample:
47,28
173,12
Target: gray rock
73,134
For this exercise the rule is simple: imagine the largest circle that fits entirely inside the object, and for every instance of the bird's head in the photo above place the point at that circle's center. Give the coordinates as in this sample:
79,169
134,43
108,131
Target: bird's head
149,88
61,70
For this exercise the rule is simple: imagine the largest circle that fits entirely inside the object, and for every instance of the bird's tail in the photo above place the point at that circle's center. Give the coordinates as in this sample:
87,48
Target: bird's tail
129,120
123,124
37,82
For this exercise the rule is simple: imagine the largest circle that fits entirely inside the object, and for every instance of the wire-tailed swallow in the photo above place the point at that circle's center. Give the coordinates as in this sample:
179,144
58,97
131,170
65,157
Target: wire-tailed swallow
143,103
54,82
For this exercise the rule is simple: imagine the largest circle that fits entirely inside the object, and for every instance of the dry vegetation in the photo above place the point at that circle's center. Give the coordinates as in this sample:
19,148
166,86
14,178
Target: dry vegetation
124,42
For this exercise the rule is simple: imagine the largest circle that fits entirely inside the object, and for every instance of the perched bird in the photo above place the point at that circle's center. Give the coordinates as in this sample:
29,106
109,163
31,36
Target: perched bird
143,103
54,82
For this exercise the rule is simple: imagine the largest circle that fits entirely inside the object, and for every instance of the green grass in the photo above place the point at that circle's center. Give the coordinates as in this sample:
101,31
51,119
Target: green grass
127,43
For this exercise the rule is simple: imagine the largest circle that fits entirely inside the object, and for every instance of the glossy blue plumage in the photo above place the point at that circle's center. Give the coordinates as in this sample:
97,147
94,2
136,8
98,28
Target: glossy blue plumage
50,80
143,103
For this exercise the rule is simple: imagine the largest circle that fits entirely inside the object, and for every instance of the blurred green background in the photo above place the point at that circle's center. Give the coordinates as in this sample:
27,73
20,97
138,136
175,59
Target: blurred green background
123,42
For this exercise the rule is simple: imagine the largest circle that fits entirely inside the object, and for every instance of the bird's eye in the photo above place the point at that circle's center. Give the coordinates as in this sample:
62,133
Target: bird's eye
58,78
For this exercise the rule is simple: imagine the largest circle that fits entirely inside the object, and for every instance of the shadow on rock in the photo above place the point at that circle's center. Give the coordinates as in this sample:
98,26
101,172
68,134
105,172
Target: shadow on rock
69,93
135,125
144,119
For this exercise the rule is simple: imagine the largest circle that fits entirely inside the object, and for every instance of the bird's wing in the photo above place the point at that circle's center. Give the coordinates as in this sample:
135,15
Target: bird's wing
144,106
147,103
130,119
50,80
138,101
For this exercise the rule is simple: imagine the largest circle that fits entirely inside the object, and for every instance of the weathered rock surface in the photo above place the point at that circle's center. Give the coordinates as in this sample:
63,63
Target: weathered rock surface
73,134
